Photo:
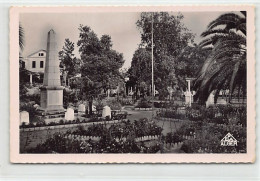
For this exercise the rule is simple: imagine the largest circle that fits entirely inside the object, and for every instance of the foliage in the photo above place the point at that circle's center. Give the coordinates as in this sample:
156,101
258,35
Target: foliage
225,67
173,138
31,110
21,37
30,98
143,104
124,129
208,139
114,104
170,36
99,105
141,68
23,73
69,97
219,114
171,113
162,104
57,144
110,141
190,61
100,63
69,63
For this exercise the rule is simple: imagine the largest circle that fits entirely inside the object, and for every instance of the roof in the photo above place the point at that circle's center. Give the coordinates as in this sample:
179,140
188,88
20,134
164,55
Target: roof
36,52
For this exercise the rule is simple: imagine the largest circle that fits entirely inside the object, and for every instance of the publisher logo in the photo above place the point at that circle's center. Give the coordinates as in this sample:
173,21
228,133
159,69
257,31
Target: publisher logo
229,140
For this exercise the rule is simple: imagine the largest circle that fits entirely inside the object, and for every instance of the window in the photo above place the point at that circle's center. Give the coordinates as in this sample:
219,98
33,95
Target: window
41,54
33,64
41,64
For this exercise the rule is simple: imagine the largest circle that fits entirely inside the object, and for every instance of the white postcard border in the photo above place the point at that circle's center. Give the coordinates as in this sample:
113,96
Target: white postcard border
16,157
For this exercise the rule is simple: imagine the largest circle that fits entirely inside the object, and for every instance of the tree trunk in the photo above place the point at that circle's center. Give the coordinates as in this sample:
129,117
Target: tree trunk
65,79
90,107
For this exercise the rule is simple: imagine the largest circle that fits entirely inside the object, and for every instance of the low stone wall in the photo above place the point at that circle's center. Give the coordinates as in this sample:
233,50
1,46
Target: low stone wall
143,109
173,145
97,138
70,125
169,119
147,138
187,137
82,138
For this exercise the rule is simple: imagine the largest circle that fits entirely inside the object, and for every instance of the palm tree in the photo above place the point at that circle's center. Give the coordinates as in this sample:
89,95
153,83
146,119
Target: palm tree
21,37
225,67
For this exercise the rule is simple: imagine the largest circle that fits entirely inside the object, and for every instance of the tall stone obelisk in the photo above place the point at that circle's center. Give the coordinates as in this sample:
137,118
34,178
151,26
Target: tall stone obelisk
52,91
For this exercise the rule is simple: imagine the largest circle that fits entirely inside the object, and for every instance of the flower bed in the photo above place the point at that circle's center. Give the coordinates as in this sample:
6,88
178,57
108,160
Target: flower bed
170,113
144,104
61,144
68,124
120,138
208,138
219,114
114,104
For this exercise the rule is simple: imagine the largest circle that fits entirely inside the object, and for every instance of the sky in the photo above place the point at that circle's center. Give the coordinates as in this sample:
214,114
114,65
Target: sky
120,26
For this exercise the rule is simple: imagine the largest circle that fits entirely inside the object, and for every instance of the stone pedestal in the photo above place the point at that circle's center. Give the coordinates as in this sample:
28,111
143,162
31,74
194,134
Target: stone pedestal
51,99
106,111
24,118
81,109
188,94
69,115
188,98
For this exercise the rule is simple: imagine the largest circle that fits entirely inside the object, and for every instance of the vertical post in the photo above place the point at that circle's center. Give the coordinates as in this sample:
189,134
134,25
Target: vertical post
30,79
189,92
189,85
152,68
152,62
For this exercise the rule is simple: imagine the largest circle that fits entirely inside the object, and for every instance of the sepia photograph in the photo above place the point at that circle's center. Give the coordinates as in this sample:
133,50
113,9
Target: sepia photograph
126,81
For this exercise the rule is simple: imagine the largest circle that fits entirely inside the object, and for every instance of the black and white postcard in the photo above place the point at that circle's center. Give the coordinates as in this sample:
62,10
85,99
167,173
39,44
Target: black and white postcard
132,84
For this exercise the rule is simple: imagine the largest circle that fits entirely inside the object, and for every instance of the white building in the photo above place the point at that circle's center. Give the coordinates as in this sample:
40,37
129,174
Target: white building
35,63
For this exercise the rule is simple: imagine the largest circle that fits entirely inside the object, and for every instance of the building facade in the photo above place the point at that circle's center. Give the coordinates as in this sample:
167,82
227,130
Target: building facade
35,62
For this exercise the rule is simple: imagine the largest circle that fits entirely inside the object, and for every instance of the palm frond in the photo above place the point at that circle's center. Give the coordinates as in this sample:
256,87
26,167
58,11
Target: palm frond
21,37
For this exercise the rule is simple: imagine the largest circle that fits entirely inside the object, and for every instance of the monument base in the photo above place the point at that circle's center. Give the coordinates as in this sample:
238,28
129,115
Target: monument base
52,102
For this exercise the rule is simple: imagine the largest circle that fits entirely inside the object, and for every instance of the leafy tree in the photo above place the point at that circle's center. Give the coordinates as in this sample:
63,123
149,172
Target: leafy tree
225,67
140,70
106,43
68,61
100,63
170,37
189,63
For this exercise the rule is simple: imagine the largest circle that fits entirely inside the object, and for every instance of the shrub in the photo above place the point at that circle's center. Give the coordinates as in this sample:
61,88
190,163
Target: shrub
52,123
114,104
144,104
61,121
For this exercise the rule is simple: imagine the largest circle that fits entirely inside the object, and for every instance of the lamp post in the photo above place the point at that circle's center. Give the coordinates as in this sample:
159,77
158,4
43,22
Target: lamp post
152,62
